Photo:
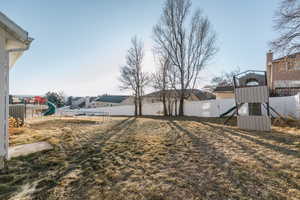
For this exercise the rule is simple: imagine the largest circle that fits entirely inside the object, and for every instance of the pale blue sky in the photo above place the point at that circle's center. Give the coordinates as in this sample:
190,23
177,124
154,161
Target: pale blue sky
80,45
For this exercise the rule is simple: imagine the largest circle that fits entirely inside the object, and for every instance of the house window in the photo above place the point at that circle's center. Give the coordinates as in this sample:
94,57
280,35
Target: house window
297,65
254,108
293,65
290,65
281,66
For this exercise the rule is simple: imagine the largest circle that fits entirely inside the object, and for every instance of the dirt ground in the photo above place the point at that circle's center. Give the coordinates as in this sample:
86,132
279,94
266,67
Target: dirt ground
153,158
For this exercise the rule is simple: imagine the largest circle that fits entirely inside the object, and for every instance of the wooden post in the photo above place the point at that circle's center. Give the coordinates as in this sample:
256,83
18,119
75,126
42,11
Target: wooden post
234,90
1,162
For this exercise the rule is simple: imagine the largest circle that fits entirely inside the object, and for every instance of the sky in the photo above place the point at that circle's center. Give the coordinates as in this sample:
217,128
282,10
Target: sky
79,46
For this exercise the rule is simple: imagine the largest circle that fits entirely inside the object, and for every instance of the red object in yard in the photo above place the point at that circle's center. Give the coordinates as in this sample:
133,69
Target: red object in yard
40,100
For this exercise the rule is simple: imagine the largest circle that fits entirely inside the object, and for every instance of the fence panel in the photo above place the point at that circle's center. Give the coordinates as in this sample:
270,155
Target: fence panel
34,110
210,108
26,111
17,111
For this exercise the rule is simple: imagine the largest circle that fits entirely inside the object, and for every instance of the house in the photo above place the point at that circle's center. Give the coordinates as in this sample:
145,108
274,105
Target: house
283,74
107,100
16,100
13,42
190,95
224,92
78,102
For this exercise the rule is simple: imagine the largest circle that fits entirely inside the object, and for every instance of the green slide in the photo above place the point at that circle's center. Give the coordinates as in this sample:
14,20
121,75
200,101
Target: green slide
51,109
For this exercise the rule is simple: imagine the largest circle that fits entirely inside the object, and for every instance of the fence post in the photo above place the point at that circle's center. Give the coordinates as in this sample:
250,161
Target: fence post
1,162
25,109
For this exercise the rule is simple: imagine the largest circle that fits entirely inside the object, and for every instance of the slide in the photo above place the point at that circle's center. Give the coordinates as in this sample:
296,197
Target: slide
228,111
51,109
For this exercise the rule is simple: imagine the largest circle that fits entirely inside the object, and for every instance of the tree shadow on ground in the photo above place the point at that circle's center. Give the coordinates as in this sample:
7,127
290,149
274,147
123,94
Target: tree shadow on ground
87,159
233,171
294,154
188,158
44,169
279,150
275,135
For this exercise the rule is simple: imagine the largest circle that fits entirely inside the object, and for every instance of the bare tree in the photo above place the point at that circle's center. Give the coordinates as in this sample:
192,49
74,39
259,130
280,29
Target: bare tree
287,23
226,78
161,82
132,77
188,46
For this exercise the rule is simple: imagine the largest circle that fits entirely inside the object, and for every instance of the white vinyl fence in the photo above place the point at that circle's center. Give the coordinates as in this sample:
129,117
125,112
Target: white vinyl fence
286,106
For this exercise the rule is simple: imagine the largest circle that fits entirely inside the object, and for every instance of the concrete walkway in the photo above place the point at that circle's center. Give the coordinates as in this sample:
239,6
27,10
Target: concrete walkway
26,149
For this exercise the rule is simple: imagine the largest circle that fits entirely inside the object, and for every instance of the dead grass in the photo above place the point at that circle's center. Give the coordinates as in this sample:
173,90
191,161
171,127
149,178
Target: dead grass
53,129
154,158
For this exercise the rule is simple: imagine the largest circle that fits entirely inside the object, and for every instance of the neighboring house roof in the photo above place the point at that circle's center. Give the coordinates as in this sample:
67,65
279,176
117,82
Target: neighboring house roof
223,89
200,94
93,98
203,95
76,98
288,56
112,98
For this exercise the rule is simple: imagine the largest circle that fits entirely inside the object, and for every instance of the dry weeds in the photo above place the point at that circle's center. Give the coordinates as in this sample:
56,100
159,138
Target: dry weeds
154,158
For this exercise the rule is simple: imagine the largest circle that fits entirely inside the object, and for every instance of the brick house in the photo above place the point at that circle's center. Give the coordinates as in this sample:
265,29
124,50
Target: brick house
283,74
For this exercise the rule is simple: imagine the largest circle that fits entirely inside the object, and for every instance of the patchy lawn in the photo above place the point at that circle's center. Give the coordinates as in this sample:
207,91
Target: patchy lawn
153,158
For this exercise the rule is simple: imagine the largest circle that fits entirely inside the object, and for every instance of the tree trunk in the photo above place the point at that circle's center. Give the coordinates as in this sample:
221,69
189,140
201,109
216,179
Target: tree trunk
140,106
169,105
164,104
181,105
176,108
135,106
182,93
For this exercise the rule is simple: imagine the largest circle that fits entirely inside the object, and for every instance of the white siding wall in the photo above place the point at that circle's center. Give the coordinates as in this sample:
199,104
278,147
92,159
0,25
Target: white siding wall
4,74
7,41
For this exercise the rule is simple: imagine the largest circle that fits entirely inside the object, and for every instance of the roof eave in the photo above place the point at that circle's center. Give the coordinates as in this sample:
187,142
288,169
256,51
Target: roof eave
15,30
